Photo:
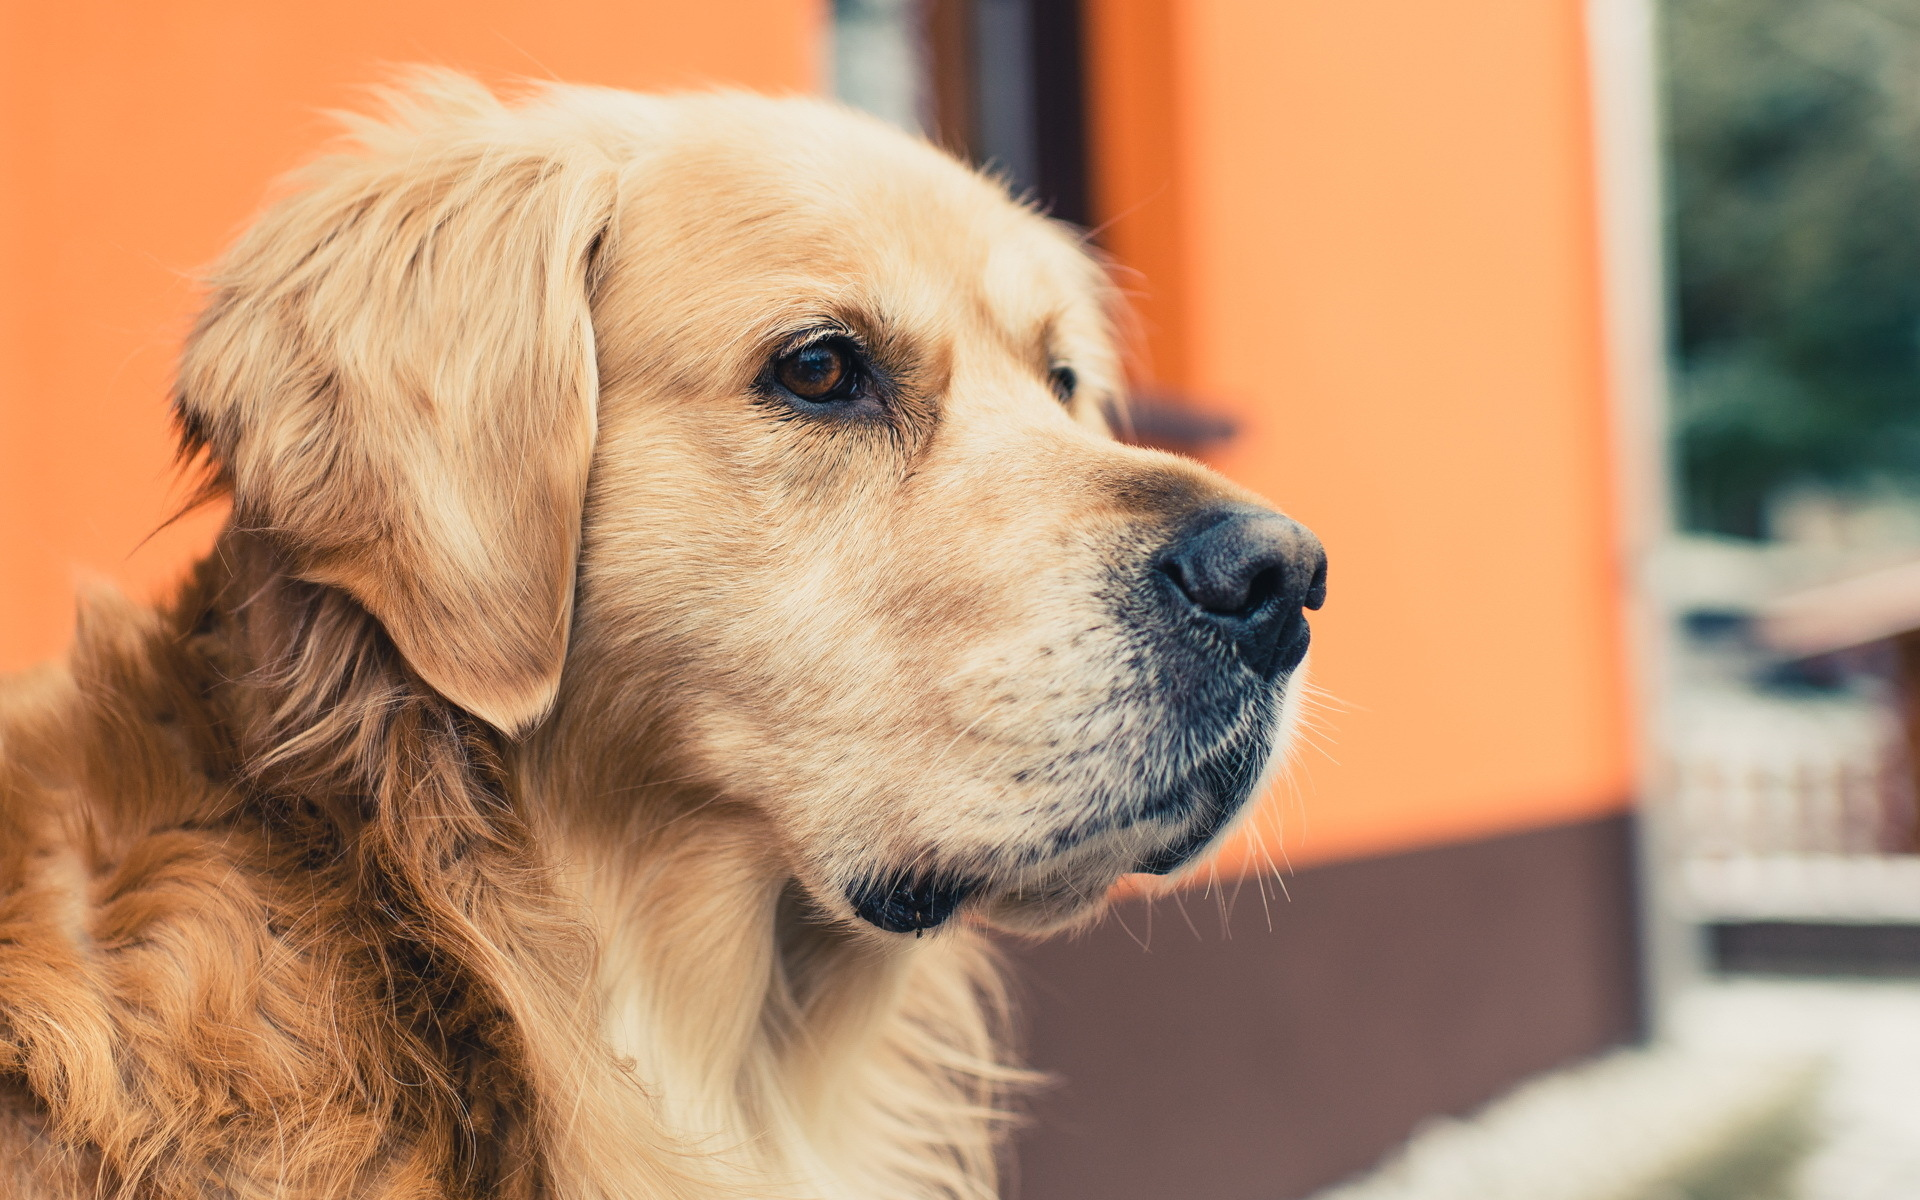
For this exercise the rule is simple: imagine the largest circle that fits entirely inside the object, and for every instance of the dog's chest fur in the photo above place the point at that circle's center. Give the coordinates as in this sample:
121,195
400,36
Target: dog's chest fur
270,925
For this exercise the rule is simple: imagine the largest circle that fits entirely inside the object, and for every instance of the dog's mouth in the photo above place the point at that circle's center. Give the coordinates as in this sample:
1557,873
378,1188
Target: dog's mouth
1188,846
917,900
914,902
1068,871
1216,791
909,901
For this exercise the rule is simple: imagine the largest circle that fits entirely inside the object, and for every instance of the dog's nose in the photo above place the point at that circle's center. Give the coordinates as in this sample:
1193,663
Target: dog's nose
1246,573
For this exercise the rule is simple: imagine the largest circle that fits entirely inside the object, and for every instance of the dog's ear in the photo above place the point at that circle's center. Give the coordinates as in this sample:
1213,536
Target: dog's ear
395,378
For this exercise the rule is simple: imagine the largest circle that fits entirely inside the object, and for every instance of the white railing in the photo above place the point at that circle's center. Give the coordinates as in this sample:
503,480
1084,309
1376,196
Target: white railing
1793,807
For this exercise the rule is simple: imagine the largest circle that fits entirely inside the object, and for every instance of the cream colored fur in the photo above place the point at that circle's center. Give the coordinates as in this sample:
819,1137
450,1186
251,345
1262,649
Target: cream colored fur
480,820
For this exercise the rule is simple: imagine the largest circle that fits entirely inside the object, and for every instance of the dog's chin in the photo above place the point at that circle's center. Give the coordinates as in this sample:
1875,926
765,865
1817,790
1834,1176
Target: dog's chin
915,906
1030,890
1033,898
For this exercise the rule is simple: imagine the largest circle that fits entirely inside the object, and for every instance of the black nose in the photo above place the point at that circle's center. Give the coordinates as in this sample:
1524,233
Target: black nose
1245,573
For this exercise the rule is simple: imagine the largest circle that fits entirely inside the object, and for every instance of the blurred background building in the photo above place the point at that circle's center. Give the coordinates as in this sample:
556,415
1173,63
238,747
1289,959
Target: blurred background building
1793,576
1396,265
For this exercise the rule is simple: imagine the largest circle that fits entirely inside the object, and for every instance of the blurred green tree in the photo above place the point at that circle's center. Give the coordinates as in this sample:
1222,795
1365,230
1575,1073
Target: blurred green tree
1793,157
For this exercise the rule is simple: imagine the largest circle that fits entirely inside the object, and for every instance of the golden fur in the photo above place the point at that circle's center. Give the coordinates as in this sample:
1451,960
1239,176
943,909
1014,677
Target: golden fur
480,818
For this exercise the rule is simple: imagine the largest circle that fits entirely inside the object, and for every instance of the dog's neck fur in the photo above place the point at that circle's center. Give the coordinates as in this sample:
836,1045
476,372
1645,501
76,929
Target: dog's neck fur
864,1065
603,1000
740,1011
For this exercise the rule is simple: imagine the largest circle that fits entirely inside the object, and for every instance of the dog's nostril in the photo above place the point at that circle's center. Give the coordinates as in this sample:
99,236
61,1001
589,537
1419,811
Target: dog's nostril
1226,598
1261,589
1224,592
1172,571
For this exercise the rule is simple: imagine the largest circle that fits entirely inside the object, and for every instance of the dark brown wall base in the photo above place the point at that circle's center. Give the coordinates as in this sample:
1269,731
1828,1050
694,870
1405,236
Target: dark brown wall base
1265,1063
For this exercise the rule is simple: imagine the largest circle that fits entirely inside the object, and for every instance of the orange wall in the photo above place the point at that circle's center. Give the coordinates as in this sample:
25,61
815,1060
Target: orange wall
136,136
1363,225
1367,228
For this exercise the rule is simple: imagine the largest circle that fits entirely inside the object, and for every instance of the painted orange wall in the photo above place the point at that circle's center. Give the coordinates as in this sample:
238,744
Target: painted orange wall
1367,228
136,136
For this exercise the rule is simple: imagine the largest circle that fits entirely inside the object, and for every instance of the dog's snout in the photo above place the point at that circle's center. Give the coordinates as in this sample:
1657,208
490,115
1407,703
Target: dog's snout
1247,573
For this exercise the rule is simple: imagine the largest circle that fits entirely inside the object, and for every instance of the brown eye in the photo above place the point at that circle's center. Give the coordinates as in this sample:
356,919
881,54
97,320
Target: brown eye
1063,382
820,371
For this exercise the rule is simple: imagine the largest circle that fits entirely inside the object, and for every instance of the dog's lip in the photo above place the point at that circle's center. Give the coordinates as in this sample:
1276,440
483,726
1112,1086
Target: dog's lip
908,901
1083,865
1158,835
1188,846
903,901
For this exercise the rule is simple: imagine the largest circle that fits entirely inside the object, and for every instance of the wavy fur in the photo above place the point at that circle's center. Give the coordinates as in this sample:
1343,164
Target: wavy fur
478,820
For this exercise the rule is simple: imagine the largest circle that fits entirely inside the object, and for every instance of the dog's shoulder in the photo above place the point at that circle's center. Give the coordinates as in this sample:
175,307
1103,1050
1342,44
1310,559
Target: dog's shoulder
177,993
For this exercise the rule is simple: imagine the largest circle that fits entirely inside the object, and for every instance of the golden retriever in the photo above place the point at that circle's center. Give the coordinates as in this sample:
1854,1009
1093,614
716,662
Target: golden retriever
677,561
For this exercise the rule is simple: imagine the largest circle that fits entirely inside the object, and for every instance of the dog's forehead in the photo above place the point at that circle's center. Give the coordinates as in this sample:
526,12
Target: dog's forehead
798,200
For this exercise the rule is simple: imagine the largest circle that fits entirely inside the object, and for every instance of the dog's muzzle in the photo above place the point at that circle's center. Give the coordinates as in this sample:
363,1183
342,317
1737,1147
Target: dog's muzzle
1216,621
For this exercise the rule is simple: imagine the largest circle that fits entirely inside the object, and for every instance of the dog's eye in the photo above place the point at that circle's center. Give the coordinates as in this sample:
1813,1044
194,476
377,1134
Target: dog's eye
1063,382
821,371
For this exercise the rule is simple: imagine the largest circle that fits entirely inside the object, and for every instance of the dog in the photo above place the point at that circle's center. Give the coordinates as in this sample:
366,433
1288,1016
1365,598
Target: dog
680,591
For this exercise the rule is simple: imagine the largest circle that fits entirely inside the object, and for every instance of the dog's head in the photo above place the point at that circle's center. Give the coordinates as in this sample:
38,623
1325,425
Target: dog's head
773,440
